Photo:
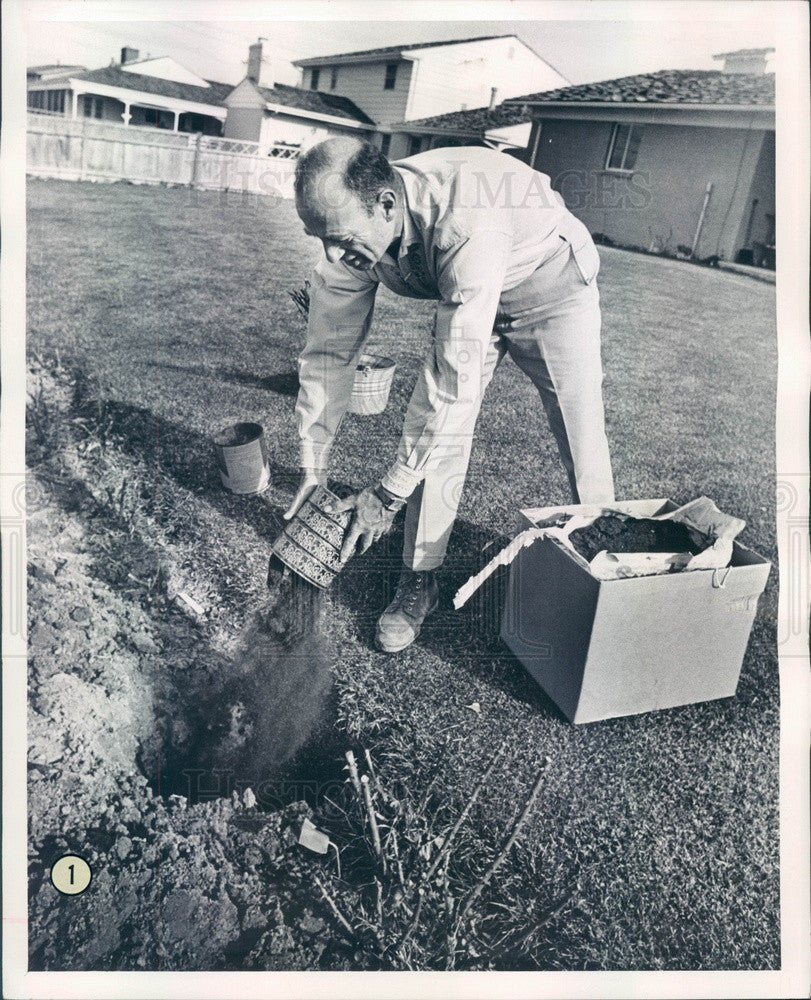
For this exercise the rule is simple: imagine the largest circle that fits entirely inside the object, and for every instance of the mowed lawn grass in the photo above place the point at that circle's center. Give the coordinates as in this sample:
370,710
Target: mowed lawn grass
662,828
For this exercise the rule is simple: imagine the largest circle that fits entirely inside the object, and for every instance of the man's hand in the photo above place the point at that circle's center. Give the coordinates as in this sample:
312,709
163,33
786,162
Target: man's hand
371,520
310,478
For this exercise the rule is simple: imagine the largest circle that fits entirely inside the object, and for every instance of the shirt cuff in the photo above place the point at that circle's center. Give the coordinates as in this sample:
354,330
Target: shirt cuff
401,481
313,456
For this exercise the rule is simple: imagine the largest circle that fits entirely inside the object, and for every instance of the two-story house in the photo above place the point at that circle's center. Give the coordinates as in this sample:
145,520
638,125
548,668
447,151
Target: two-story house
418,80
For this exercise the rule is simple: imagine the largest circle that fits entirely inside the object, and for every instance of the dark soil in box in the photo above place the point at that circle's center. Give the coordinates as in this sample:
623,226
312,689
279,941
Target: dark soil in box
616,533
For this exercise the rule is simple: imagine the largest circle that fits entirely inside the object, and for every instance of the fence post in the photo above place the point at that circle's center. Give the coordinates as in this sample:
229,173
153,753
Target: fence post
83,159
195,160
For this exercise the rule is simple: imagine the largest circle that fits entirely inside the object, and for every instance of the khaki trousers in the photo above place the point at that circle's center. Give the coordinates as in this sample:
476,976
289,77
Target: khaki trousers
550,326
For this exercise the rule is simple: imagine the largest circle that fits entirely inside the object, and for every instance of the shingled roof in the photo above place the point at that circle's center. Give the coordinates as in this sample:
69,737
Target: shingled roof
49,66
114,76
474,121
315,101
394,49
215,93
668,86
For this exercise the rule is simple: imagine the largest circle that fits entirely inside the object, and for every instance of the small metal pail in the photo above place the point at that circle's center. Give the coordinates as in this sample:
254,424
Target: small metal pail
370,390
242,458
311,543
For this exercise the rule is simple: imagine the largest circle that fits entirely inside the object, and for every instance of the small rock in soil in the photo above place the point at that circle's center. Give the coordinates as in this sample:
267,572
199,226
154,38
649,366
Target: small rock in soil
39,573
143,643
123,846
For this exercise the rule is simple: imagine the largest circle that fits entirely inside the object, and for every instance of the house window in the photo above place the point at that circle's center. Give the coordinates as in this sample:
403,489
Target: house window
391,76
414,145
314,75
93,106
333,80
52,100
385,144
623,147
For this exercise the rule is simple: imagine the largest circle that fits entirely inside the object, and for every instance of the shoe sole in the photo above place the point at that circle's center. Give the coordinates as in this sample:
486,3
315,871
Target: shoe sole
399,649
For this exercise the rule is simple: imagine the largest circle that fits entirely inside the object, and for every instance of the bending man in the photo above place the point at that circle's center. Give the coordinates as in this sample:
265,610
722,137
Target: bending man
512,270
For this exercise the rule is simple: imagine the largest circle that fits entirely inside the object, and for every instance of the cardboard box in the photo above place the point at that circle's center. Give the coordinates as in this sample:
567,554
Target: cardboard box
602,649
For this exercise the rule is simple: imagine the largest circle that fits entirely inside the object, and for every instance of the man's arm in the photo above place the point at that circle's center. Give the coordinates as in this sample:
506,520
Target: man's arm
341,307
447,396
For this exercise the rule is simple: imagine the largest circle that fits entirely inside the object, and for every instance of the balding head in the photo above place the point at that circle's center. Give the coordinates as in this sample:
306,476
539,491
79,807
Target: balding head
351,198
326,173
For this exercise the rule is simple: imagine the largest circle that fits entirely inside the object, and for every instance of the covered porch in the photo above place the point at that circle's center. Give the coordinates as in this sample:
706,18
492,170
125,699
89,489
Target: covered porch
151,111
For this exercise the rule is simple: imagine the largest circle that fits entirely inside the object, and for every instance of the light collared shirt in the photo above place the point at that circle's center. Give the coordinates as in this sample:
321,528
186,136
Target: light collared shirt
476,222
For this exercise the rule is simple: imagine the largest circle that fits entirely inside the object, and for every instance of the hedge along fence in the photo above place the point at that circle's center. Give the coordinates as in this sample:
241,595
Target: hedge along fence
85,149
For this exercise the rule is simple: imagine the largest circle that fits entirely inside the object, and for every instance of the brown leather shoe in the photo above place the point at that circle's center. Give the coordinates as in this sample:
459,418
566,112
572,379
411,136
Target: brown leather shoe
416,597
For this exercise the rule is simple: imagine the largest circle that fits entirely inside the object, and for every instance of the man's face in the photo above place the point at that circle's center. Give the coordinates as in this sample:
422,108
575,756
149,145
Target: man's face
346,229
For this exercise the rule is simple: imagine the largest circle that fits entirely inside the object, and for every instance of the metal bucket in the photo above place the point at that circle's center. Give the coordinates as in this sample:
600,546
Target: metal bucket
311,543
370,390
242,458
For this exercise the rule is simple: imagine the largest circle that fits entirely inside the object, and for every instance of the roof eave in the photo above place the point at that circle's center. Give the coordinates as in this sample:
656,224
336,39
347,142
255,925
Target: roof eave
641,105
429,130
476,133
286,109
147,98
381,57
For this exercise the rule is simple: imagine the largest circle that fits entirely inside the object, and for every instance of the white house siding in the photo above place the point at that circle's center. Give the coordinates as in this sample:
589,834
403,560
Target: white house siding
244,124
246,110
445,79
661,204
281,128
363,83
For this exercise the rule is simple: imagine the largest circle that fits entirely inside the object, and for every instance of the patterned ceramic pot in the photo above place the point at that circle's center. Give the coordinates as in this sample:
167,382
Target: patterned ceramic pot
311,543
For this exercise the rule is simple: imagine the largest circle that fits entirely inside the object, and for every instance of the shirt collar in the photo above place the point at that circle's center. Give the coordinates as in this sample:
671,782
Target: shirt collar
410,233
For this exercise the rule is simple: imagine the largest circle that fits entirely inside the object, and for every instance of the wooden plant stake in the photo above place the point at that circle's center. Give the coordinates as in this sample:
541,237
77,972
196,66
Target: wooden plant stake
353,774
367,798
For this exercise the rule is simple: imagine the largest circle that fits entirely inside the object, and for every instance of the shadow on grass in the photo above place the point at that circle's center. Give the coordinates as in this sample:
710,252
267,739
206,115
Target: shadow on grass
283,383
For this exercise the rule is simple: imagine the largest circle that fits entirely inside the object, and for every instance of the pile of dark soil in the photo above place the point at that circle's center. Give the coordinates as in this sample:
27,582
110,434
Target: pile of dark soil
617,533
178,770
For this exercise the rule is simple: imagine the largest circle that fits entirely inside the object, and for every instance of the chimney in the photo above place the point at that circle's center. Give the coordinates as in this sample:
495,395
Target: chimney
129,55
258,67
744,61
493,97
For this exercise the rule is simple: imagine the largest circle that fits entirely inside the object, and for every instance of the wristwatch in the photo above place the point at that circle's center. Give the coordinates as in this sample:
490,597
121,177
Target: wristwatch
390,502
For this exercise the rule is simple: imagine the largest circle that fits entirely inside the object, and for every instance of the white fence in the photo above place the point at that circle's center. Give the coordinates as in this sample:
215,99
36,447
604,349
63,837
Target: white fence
87,149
